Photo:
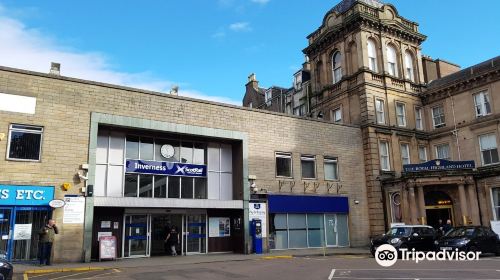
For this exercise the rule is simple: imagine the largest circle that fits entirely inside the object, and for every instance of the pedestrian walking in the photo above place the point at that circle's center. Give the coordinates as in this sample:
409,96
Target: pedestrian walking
47,234
173,240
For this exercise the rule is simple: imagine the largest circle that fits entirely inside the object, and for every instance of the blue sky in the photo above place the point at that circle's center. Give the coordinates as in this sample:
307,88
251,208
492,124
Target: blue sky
208,47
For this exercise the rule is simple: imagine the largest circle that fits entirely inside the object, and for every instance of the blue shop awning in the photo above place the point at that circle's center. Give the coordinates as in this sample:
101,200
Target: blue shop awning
307,204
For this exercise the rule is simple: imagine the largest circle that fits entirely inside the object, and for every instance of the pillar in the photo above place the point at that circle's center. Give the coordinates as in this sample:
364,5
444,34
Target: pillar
413,205
463,203
474,206
421,205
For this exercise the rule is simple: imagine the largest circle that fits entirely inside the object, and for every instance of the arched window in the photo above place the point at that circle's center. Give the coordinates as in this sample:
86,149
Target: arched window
337,67
392,61
409,73
372,56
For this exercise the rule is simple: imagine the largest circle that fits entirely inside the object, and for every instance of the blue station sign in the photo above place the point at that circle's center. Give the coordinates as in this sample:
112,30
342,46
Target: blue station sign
165,168
439,165
26,195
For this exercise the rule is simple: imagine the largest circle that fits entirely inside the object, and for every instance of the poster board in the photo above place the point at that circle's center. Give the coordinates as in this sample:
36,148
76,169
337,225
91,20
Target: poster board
219,227
74,210
22,231
107,248
258,211
495,226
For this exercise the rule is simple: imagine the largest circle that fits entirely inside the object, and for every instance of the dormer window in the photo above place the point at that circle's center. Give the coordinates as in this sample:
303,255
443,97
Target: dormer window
268,96
337,67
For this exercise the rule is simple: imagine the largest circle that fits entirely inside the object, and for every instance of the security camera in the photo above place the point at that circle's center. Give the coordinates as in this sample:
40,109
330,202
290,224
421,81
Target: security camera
82,177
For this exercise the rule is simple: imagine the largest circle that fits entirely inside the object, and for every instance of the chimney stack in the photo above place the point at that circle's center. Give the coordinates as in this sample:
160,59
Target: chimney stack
174,90
252,82
55,69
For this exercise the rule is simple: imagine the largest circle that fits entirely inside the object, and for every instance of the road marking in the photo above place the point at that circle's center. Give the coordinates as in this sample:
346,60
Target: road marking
331,274
101,275
70,275
45,274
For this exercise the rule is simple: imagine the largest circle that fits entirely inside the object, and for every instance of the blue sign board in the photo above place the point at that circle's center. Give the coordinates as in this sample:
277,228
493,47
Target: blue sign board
307,204
26,195
166,168
439,165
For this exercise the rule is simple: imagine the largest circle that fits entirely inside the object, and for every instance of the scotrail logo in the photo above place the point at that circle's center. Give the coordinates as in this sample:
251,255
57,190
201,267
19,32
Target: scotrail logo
386,255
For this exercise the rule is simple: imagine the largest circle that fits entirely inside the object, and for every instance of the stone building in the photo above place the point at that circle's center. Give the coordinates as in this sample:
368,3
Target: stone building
131,163
271,99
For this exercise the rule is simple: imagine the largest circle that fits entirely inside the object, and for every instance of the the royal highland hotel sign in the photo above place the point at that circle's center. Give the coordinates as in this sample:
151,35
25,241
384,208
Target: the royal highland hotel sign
439,165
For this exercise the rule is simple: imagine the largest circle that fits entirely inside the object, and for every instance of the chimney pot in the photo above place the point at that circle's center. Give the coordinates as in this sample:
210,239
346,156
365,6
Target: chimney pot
55,69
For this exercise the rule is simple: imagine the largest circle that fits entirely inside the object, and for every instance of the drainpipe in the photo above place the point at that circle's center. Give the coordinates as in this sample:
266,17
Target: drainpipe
455,130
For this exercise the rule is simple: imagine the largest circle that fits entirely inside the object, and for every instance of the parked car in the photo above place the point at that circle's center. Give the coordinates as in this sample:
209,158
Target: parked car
6,269
470,238
409,237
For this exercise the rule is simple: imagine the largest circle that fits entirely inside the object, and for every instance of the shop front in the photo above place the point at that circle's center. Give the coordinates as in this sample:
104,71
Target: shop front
307,221
24,210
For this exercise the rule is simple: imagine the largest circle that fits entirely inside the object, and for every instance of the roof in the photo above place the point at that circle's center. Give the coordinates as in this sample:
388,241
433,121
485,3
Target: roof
347,4
467,73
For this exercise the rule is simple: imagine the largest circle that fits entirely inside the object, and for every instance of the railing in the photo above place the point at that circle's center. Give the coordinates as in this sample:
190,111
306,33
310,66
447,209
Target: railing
397,83
415,88
377,78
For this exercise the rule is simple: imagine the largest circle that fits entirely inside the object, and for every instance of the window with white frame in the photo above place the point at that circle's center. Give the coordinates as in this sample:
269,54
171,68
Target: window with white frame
438,119
401,113
379,109
308,166
337,67
268,96
409,74
372,56
405,153
392,64
489,151
384,156
443,151
25,142
283,164
482,104
419,123
331,168
422,154
337,115
495,195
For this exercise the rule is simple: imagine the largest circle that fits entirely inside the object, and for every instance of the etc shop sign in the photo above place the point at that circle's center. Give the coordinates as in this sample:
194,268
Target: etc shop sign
166,168
26,195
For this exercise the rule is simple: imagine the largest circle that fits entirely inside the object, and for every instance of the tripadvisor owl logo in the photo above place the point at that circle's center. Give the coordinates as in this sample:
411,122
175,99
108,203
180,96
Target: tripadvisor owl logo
386,255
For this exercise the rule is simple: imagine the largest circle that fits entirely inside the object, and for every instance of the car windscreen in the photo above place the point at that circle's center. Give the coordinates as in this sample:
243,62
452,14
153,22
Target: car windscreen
461,232
399,231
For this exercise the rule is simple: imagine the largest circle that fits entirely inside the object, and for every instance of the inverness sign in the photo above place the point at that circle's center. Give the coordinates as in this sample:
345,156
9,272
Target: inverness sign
166,168
439,165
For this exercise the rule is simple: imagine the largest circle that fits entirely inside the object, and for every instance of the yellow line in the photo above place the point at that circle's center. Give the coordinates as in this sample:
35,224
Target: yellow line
277,257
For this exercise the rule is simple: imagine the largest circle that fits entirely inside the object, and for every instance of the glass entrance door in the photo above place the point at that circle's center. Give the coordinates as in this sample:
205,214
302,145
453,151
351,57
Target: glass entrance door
331,229
195,234
137,236
5,230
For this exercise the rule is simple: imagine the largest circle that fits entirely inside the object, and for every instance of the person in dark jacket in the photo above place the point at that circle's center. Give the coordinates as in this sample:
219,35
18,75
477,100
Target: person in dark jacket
47,235
447,227
173,240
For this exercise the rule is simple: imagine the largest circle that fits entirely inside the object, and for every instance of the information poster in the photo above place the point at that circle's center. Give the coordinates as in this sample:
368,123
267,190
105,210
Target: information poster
105,224
258,211
22,231
495,226
74,210
103,233
107,247
219,227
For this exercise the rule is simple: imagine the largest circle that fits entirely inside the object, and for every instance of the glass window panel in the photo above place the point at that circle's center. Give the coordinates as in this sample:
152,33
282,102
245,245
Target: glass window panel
200,188
132,147
199,153
342,230
330,166
159,143
187,152
495,192
25,145
160,187
308,167
116,147
296,221
298,238
187,187
226,186
280,221
214,157
488,142
102,147
316,238
281,239
315,221
226,158
100,180
173,187
145,185
115,181
213,185
130,185
147,148
283,165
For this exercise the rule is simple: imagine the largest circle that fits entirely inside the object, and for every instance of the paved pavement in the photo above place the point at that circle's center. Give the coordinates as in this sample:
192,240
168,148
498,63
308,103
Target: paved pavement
339,267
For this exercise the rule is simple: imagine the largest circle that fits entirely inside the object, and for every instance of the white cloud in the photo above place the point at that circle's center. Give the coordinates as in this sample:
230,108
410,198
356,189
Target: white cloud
30,49
240,26
262,2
